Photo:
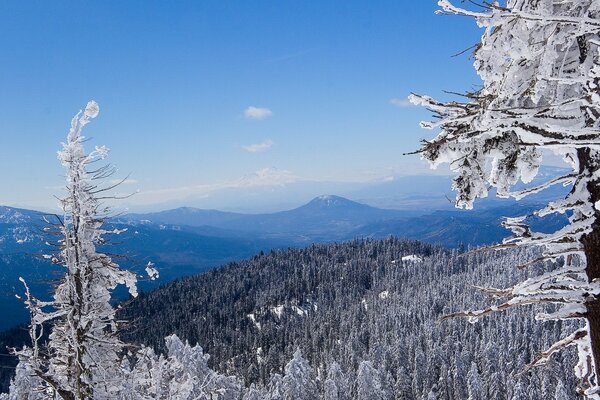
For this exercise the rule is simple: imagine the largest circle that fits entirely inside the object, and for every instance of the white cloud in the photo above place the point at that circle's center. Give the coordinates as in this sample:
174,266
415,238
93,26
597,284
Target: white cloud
259,147
257,113
402,103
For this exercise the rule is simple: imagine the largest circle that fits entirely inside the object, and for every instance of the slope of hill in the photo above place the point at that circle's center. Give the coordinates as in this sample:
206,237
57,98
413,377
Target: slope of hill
460,227
176,252
362,300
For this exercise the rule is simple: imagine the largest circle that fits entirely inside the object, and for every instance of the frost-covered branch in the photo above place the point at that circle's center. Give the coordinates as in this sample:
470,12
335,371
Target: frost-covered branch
540,66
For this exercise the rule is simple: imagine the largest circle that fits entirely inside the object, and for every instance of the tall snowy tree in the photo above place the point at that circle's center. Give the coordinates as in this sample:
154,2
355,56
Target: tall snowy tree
539,61
474,385
368,383
82,359
560,392
298,382
520,391
336,386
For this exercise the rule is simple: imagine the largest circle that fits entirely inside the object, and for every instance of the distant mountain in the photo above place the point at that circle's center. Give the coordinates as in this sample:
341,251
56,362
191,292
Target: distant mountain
323,218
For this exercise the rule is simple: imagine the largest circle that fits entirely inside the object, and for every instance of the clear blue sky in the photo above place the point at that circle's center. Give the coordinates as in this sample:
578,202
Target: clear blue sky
174,79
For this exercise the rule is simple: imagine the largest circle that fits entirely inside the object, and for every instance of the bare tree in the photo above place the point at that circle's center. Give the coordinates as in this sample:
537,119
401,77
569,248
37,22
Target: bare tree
539,61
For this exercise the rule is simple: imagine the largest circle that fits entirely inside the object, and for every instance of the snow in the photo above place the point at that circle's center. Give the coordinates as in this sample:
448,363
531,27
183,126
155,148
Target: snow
151,271
384,295
92,109
252,318
412,258
259,352
300,311
278,310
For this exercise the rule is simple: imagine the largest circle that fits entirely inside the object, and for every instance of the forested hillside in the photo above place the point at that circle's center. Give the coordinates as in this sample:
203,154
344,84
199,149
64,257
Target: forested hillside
372,306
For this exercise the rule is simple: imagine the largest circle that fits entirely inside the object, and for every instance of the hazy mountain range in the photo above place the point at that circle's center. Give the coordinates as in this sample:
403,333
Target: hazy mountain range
186,241
267,193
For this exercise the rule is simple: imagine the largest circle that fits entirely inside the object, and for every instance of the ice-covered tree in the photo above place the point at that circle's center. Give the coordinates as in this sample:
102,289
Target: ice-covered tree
560,392
336,386
275,387
520,391
403,390
368,383
25,385
298,382
254,393
539,61
185,375
82,358
474,385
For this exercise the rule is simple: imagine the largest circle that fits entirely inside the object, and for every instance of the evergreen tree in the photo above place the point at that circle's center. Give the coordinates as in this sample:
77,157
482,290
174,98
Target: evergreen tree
520,392
336,385
561,392
432,395
275,387
403,390
253,393
474,385
298,382
368,383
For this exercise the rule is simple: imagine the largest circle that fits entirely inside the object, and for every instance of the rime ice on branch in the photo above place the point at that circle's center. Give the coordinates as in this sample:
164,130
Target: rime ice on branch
540,65
82,358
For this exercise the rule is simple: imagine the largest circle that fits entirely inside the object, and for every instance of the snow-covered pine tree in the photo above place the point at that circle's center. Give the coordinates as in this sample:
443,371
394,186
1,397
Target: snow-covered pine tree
275,387
82,358
298,382
560,392
432,395
539,61
254,393
520,392
474,385
368,383
336,386
403,388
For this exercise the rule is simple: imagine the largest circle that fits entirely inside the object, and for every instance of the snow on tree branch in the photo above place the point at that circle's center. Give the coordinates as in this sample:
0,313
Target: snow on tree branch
539,61
81,360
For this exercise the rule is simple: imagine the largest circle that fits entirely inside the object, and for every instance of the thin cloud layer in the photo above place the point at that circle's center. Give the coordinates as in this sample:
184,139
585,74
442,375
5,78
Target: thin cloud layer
263,177
258,147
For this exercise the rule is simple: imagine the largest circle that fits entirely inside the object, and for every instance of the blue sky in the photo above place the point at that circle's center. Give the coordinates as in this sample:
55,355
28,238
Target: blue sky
175,82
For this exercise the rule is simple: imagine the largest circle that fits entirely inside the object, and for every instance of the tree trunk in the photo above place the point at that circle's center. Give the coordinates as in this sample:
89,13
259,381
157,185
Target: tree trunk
588,163
591,243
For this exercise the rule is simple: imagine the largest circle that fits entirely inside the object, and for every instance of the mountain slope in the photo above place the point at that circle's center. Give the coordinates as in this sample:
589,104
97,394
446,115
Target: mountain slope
175,252
362,300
